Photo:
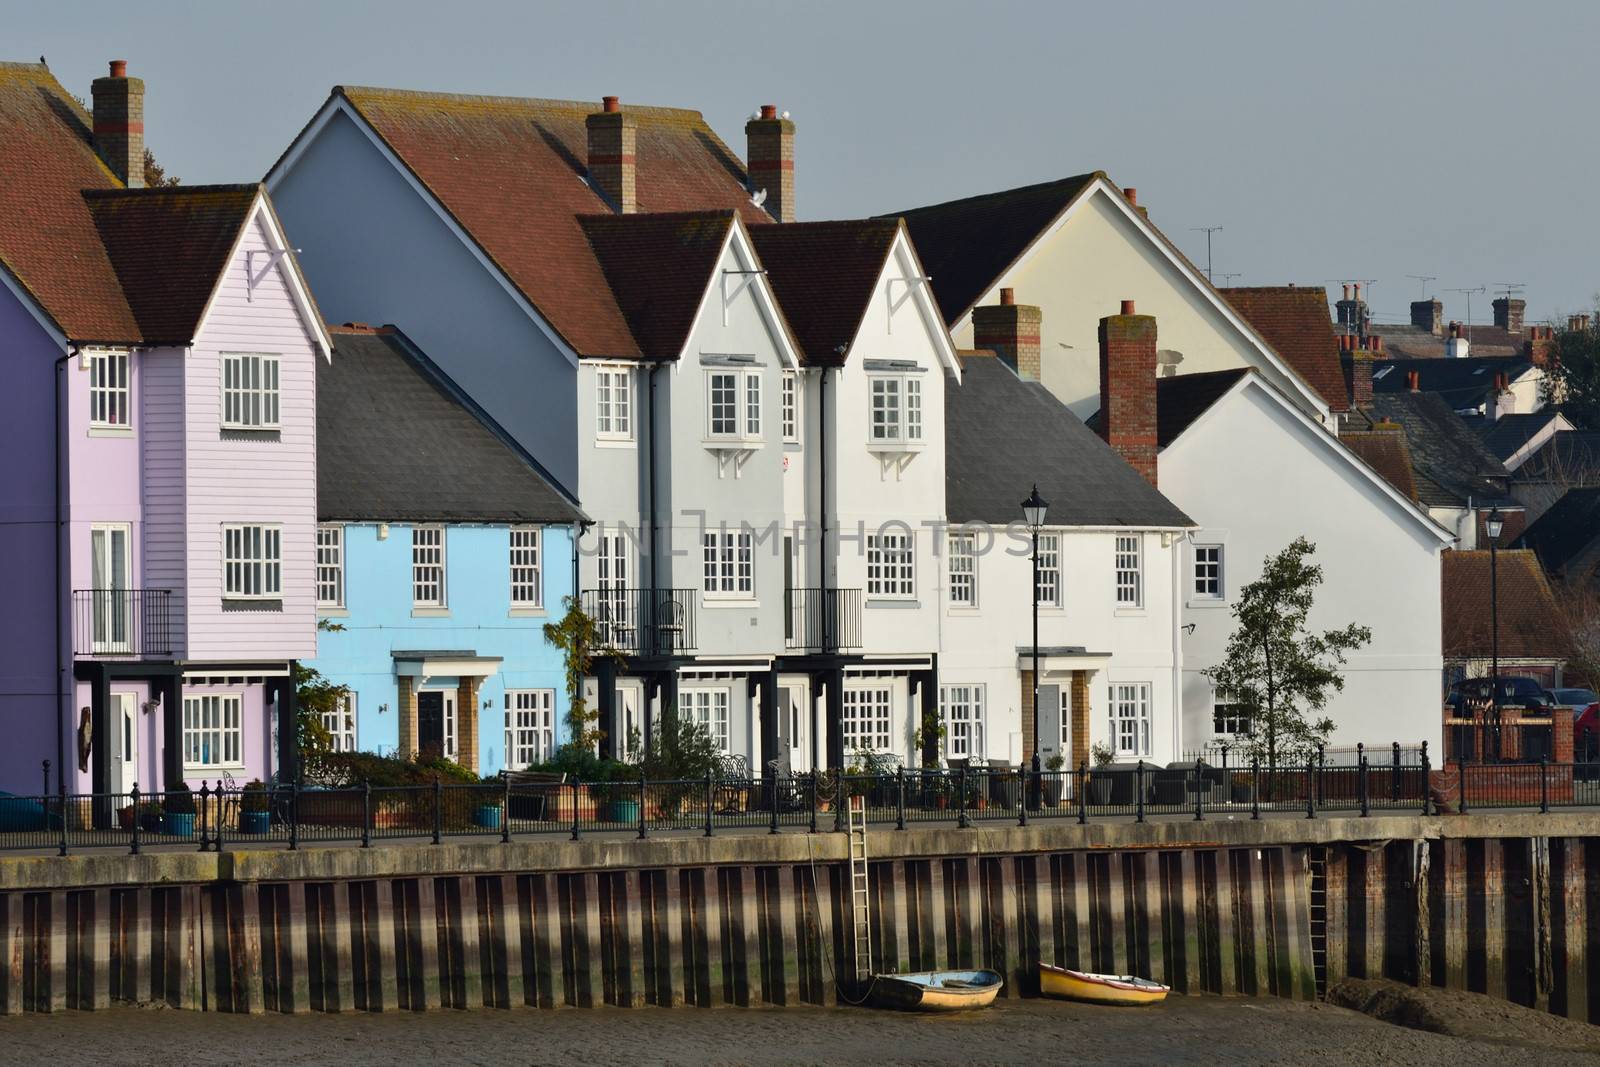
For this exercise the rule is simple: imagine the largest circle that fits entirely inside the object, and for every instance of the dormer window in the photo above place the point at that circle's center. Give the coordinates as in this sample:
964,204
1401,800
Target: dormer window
733,404
896,411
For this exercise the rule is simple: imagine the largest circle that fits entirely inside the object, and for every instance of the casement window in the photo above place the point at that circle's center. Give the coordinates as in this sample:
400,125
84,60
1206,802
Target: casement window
791,406
896,409
707,708
1208,572
111,570
427,567
1229,719
252,562
1050,570
867,718
108,389
733,403
963,549
891,566
962,706
341,724
212,733
527,585
613,403
1130,718
530,727
330,566
249,391
1130,571
729,564
612,571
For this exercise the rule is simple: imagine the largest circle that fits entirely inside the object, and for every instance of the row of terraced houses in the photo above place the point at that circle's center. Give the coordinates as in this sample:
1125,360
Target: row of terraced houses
458,360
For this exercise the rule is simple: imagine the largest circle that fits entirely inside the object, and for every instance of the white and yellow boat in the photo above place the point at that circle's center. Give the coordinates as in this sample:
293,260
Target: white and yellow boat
1121,990
936,990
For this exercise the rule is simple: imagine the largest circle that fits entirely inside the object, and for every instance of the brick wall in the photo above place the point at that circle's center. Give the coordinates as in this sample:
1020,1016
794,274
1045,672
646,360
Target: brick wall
1128,388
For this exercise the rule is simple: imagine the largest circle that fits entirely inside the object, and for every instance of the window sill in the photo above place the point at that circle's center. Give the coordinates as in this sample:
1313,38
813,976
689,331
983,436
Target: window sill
111,431
240,433
230,604
896,446
614,442
964,609
895,603
207,770
332,612
1205,602
1129,613
527,613
430,613
714,603
733,442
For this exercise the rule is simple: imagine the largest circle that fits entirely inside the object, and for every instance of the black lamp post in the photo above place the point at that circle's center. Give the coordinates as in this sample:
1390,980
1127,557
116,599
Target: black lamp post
1491,528
1033,511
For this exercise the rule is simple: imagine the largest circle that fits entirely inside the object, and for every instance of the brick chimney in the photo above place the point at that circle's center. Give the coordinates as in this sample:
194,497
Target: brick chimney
119,123
1012,331
1457,347
770,159
1508,313
1428,315
1577,323
1128,388
1537,346
1352,310
1357,364
611,158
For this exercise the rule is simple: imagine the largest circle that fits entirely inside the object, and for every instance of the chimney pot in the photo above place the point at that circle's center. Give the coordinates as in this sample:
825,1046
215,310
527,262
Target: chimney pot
1008,297
1132,194
1357,288
609,105
119,68
1128,364
769,111
1414,381
1127,307
1347,291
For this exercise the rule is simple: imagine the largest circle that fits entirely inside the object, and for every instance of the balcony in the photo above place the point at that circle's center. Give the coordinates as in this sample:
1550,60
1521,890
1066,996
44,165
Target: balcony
122,623
643,622
822,620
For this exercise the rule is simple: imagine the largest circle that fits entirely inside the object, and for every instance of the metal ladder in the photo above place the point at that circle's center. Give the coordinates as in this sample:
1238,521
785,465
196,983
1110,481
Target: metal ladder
1317,862
859,895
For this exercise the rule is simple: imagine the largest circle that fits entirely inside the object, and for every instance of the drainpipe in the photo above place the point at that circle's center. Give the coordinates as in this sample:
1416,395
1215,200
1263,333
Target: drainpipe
650,473
61,689
830,638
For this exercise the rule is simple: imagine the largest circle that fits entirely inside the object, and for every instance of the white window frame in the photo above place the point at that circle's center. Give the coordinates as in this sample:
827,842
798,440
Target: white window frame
791,407
867,718
251,390
962,549
1129,714
1207,577
109,393
330,565
526,560
1129,563
1233,715
892,566
1050,572
422,581
111,609
213,731
708,706
895,410
341,724
613,403
728,564
252,561
530,727
961,707
743,422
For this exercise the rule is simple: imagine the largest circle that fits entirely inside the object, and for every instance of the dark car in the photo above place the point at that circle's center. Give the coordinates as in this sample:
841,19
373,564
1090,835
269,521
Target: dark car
1471,694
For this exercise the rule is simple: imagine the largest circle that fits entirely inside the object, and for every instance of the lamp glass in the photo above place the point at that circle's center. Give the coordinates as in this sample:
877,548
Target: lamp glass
1034,508
1493,525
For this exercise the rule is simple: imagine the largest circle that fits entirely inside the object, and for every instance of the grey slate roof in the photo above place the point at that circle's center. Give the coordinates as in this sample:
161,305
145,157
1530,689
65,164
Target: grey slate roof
1465,383
398,441
1503,436
1450,462
1567,531
1004,435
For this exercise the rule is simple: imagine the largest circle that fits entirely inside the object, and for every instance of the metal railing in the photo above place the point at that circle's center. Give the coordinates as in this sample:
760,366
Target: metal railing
295,815
644,622
122,623
822,620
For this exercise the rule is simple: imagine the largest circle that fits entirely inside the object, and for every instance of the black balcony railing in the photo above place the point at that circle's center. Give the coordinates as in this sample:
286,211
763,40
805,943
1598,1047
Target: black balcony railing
122,623
822,620
643,622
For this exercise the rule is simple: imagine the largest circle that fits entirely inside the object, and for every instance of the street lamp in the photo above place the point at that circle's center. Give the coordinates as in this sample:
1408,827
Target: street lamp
1491,528
1033,511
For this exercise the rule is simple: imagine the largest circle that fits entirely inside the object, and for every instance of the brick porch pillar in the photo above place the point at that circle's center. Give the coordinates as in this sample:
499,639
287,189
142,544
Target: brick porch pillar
407,711
1080,718
467,723
1027,716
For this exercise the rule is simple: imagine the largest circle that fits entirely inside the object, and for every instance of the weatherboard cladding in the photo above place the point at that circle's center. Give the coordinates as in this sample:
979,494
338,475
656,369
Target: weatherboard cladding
1004,435
399,442
824,275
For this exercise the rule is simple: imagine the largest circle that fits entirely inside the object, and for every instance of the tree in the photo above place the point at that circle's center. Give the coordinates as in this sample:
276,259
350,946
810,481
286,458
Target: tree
1572,376
316,700
1578,616
576,635
155,175
1276,669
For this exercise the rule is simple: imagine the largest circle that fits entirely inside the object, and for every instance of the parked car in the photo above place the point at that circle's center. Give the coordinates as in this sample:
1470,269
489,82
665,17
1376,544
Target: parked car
1576,701
1470,694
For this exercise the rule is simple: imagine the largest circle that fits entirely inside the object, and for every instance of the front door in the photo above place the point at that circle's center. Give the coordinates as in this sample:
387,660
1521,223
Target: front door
125,744
795,707
436,723
1049,721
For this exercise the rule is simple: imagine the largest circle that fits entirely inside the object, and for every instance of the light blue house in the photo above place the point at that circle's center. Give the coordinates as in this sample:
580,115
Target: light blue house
443,548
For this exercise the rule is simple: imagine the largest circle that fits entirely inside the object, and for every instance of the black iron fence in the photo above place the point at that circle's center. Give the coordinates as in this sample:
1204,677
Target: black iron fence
125,623
822,620
294,815
643,622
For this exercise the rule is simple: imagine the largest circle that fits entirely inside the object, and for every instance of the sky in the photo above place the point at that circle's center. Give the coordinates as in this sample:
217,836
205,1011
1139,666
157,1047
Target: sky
1329,141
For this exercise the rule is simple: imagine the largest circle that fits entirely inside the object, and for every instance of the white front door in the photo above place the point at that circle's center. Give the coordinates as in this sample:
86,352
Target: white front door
125,743
794,705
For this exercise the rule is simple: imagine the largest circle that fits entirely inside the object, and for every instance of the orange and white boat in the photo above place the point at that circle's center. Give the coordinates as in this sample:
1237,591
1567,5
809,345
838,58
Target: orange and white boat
1121,990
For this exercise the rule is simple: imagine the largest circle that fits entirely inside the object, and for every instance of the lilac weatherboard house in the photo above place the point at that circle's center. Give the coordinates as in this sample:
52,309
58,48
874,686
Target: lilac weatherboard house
158,422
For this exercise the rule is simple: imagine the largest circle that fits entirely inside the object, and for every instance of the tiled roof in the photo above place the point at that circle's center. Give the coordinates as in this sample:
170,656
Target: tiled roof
1294,320
1450,463
659,268
397,441
1004,435
967,244
1465,383
512,172
1383,448
1413,342
1181,400
1530,625
1505,435
1568,530
823,274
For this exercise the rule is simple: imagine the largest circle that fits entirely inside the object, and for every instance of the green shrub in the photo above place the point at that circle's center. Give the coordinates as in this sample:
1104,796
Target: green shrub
255,796
179,801
347,769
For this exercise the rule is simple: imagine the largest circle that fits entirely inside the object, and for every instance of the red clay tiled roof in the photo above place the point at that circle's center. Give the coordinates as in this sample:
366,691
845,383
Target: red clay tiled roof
823,274
1529,622
658,268
1383,448
1294,320
512,172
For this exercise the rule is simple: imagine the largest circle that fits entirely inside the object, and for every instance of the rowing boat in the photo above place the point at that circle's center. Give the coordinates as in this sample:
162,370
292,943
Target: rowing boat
936,990
1123,990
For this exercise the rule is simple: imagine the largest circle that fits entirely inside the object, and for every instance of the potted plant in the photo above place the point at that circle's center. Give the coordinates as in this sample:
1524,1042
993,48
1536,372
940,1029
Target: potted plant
1100,778
490,808
148,814
254,814
1051,786
177,812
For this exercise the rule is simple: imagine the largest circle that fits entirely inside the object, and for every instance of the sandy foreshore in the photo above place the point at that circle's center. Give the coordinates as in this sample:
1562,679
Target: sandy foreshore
1186,1030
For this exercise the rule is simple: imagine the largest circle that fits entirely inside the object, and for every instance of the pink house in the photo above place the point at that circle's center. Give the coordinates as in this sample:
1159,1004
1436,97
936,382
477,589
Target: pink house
158,421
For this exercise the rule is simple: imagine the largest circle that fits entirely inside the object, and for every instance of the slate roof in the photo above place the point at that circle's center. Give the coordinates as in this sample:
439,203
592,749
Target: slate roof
824,274
1004,435
1465,383
1407,341
1384,449
1505,435
105,263
1530,625
397,441
1182,399
1571,456
966,244
659,268
1449,462
1295,321
512,172
1567,530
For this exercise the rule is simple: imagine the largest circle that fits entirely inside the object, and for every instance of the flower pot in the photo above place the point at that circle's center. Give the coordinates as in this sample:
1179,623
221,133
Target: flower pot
150,822
254,822
487,816
1100,790
623,811
125,817
178,823
1052,791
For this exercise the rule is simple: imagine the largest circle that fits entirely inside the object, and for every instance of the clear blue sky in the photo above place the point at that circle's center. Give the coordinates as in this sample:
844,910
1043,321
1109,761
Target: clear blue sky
1335,140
